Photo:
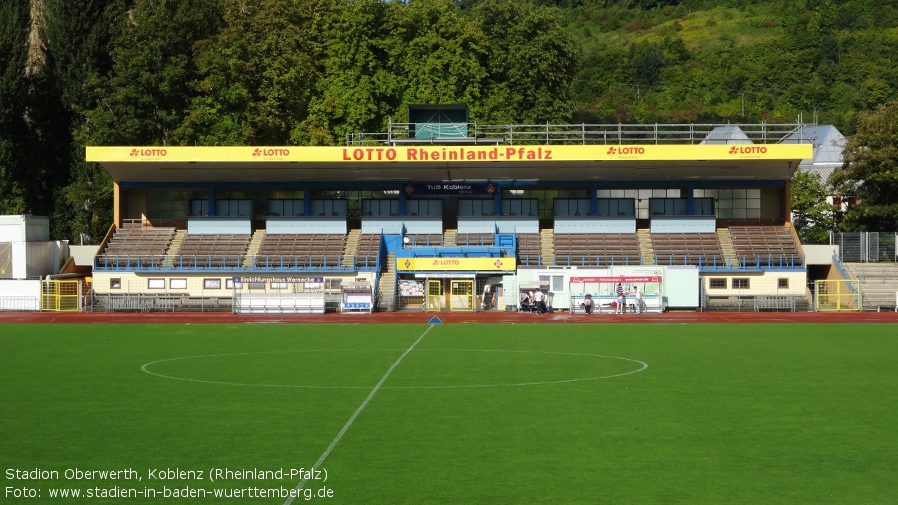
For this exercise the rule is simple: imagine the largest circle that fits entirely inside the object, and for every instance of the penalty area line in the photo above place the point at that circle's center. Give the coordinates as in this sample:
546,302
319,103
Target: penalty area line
355,414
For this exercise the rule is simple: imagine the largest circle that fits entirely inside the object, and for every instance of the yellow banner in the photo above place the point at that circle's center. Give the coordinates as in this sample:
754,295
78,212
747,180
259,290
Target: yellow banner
461,154
466,264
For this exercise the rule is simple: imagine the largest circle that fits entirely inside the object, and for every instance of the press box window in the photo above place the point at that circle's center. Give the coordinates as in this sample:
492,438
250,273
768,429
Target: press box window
740,283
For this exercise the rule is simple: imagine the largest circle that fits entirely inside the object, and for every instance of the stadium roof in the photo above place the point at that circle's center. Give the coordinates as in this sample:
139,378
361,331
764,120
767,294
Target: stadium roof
727,134
828,144
433,163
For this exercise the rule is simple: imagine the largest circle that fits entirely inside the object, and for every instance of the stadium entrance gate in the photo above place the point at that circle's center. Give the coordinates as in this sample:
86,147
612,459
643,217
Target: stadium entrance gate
837,295
462,295
61,296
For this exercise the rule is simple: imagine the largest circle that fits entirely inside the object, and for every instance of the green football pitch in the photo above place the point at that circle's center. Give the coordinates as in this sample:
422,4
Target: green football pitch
449,414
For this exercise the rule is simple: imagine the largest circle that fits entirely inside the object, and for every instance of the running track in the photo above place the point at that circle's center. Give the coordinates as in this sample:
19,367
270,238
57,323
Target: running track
494,317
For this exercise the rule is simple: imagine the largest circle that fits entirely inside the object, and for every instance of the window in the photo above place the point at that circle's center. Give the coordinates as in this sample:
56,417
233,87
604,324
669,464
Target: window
229,283
115,283
782,283
556,282
740,283
278,285
717,283
155,283
177,283
211,283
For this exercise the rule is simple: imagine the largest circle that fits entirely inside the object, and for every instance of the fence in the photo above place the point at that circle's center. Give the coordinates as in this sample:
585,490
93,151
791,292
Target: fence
19,303
865,247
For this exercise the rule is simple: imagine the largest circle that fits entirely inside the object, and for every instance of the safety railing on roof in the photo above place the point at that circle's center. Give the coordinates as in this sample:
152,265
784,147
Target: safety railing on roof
591,134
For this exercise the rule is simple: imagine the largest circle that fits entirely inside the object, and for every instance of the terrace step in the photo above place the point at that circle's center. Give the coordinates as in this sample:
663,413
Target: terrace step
351,249
254,245
547,245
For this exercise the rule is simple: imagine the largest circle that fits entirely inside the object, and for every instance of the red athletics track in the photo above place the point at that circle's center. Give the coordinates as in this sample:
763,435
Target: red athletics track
494,317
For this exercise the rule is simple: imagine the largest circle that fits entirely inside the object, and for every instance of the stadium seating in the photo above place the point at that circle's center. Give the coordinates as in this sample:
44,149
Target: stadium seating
766,245
687,249
425,239
465,239
291,250
368,249
135,246
212,251
597,249
529,249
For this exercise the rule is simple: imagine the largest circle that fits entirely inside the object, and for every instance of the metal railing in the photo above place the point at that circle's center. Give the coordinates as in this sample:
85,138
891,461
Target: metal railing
587,134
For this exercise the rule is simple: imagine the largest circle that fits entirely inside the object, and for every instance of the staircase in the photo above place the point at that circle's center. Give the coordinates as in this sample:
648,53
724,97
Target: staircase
386,286
174,249
547,246
726,247
646,251
352,247
252,250
449,237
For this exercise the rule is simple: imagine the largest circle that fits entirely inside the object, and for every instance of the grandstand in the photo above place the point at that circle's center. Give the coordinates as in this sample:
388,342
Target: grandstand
429,223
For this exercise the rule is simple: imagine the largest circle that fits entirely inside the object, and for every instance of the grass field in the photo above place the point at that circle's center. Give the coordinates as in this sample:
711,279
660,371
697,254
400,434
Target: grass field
453,414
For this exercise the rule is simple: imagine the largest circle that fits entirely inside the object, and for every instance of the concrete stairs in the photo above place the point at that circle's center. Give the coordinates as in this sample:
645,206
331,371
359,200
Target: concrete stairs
449,237
646,251
547,246
726,247
386,286
255,243
352,247
174,248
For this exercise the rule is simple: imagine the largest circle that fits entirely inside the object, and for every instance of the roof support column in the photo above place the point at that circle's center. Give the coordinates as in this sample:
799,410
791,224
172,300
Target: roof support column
690,200
594,199
212,200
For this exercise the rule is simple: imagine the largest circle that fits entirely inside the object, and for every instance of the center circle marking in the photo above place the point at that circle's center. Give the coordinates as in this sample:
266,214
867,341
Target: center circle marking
639,366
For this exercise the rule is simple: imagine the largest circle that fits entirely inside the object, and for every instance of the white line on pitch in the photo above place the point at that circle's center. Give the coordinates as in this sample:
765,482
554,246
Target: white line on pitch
356,414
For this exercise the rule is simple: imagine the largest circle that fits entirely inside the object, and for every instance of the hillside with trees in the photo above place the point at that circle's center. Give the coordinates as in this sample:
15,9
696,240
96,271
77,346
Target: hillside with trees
307,72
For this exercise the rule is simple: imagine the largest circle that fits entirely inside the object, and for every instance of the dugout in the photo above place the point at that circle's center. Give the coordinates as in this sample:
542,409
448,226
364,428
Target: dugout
603,291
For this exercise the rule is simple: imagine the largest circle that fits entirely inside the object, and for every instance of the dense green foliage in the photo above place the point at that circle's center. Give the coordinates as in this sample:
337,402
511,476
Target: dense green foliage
812,216
870,174
226,72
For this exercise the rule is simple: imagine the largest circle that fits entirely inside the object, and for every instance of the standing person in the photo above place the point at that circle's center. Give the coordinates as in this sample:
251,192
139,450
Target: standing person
539,298
621,301
640,308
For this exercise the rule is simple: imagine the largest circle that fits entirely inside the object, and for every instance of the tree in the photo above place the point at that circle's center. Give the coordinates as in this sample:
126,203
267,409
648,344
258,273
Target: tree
255,76
869,175
532,63
13,92
812,216
145,97
77,40
354,88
